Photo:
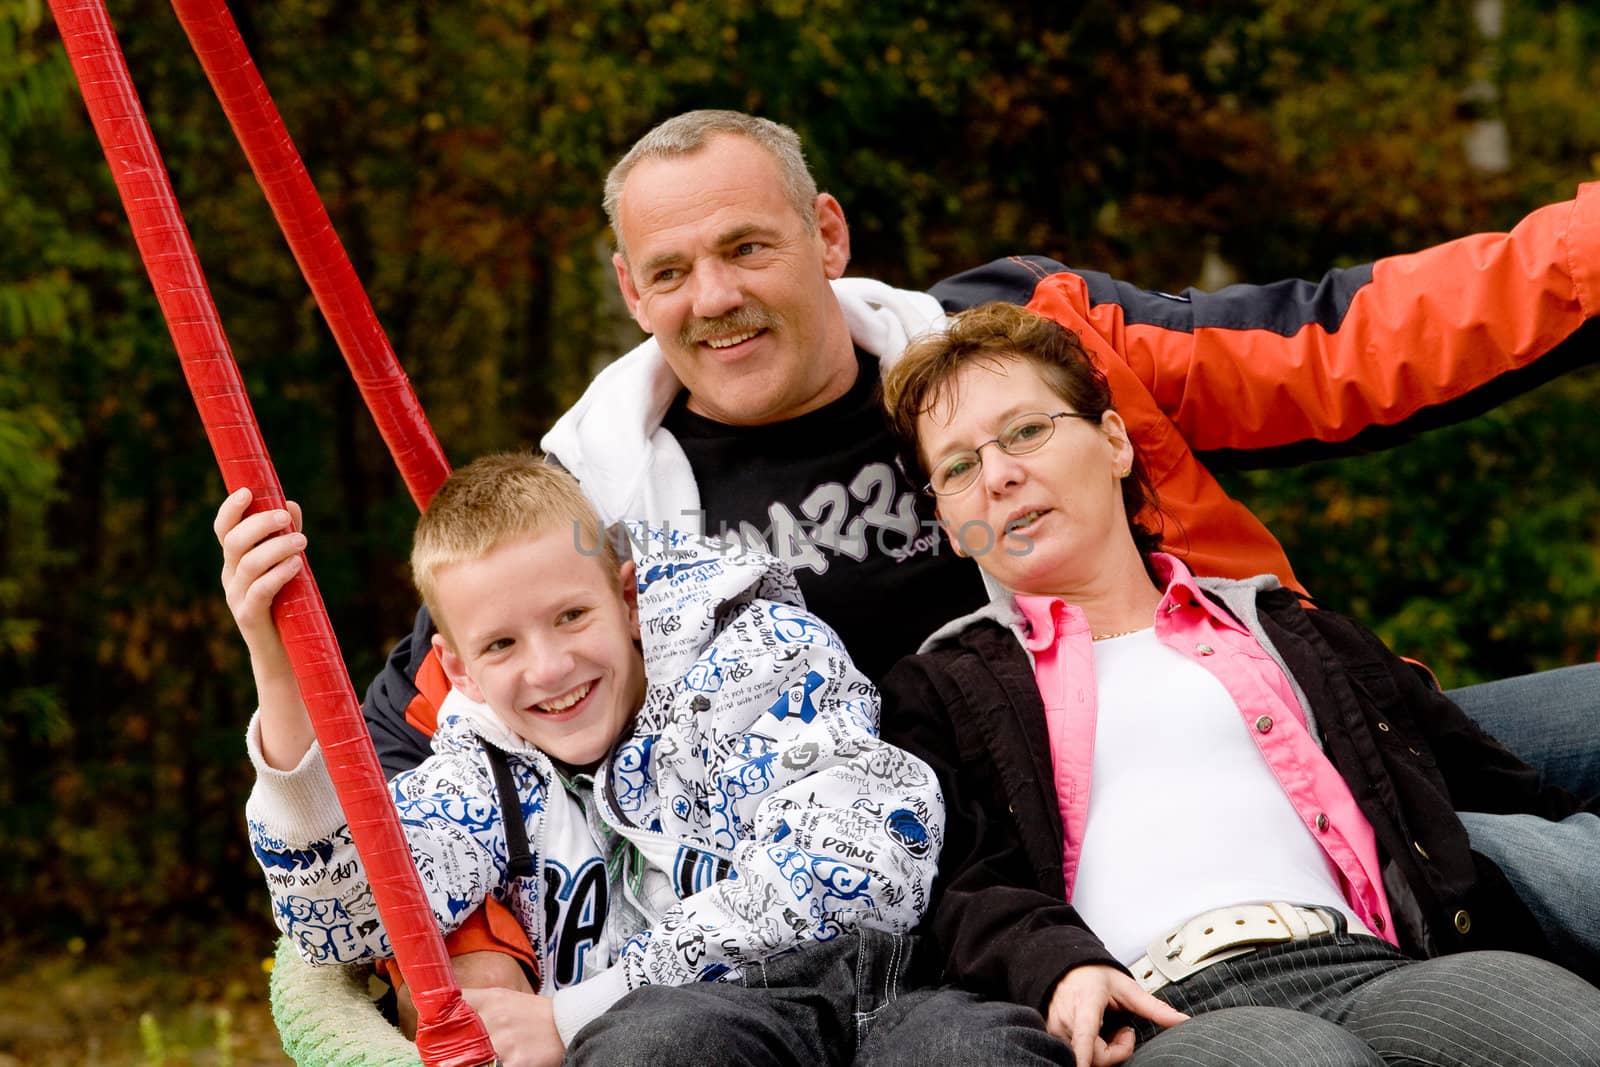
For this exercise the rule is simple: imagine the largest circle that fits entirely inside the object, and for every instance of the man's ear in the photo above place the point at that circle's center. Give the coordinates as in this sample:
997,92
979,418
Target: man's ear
630,595
630,292
835,234
455,670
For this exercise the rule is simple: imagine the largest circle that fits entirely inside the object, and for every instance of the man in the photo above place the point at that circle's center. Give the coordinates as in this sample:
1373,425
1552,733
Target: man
752,408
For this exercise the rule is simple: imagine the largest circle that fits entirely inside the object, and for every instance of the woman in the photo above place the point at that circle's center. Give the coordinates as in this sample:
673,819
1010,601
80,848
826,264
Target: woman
1164,752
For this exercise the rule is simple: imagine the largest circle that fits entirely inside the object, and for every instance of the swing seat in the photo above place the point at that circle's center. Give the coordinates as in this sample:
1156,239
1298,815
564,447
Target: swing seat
326,1018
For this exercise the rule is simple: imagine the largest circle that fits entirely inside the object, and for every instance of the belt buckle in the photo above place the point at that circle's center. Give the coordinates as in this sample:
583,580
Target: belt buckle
1171,965
1166,955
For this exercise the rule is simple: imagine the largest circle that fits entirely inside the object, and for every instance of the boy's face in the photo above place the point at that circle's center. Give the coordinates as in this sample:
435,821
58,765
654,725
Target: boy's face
544,635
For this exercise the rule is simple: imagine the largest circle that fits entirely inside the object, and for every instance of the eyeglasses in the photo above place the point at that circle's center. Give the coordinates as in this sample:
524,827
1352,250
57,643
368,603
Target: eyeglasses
957,472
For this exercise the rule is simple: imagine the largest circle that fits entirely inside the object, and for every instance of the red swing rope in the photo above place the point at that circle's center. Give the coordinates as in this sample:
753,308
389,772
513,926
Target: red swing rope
316,247
449,1034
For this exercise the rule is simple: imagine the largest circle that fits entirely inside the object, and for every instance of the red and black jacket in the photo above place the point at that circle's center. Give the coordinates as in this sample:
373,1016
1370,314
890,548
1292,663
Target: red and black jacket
1272,375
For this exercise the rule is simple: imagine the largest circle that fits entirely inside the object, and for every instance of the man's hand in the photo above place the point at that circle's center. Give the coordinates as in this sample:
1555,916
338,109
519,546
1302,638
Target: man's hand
522,1026
1078,1010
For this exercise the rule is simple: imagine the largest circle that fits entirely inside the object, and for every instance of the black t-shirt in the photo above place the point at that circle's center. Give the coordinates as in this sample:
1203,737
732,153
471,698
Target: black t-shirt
824,492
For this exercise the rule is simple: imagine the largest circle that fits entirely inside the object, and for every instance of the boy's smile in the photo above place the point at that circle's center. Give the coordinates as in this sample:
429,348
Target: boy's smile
545,636
566,701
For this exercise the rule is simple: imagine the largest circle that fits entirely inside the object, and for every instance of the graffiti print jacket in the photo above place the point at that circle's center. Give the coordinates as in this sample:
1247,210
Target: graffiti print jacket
753,808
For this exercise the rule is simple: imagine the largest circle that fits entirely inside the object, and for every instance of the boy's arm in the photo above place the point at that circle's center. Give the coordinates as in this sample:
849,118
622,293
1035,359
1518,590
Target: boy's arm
320,893
260,554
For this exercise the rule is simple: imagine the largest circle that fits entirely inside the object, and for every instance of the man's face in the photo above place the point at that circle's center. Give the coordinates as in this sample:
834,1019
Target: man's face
545,636
725,273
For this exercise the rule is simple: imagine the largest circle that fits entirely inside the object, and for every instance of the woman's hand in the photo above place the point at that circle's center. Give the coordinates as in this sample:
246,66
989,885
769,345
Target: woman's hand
1078,1011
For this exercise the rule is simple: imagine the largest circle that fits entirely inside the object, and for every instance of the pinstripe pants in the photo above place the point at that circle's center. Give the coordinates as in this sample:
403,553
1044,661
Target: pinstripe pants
1354,1001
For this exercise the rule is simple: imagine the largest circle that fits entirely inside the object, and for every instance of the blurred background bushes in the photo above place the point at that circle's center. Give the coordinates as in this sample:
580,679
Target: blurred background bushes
460,148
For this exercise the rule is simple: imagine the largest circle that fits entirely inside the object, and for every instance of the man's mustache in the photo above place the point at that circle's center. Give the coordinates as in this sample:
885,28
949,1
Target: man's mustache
747,319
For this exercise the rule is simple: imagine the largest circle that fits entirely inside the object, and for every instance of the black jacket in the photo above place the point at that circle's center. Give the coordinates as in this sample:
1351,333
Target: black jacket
972,709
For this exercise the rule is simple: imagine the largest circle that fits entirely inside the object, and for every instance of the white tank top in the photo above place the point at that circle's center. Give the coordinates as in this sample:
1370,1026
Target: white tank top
1184,813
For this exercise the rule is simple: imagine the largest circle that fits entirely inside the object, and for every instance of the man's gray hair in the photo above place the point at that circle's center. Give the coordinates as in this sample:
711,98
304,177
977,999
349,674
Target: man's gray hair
686,134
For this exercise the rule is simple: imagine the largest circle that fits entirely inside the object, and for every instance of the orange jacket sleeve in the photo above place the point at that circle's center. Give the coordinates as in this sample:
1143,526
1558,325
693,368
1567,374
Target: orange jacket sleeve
1363,358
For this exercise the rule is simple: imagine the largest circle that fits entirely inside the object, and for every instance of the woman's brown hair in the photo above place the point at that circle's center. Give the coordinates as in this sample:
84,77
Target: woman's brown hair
923,376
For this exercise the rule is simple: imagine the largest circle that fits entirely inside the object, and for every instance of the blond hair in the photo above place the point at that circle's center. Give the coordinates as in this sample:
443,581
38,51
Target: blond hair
994,334
685,134
494,499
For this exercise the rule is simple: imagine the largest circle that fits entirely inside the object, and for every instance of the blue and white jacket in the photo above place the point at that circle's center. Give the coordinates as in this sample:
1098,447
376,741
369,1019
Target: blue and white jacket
752,809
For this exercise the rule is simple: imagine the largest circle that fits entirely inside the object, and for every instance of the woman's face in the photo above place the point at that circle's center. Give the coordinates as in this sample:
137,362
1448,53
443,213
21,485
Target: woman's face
1045,522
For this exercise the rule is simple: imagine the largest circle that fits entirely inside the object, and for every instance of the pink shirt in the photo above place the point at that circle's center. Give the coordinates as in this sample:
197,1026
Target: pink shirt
1189,623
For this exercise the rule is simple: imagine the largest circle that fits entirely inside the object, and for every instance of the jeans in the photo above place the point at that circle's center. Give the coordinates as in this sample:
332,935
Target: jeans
1357,1002
1552,720
853,1000
1555,869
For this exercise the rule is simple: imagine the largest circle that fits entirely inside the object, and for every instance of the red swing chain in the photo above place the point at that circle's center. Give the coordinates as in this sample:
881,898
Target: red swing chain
450,1033
316,247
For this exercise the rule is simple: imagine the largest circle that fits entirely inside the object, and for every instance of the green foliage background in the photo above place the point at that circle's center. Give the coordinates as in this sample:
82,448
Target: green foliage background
460,148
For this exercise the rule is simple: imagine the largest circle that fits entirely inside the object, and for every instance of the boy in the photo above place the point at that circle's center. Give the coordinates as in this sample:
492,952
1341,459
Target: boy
695,758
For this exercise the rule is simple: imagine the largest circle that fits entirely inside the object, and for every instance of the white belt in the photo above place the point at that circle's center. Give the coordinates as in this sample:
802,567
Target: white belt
1223,933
